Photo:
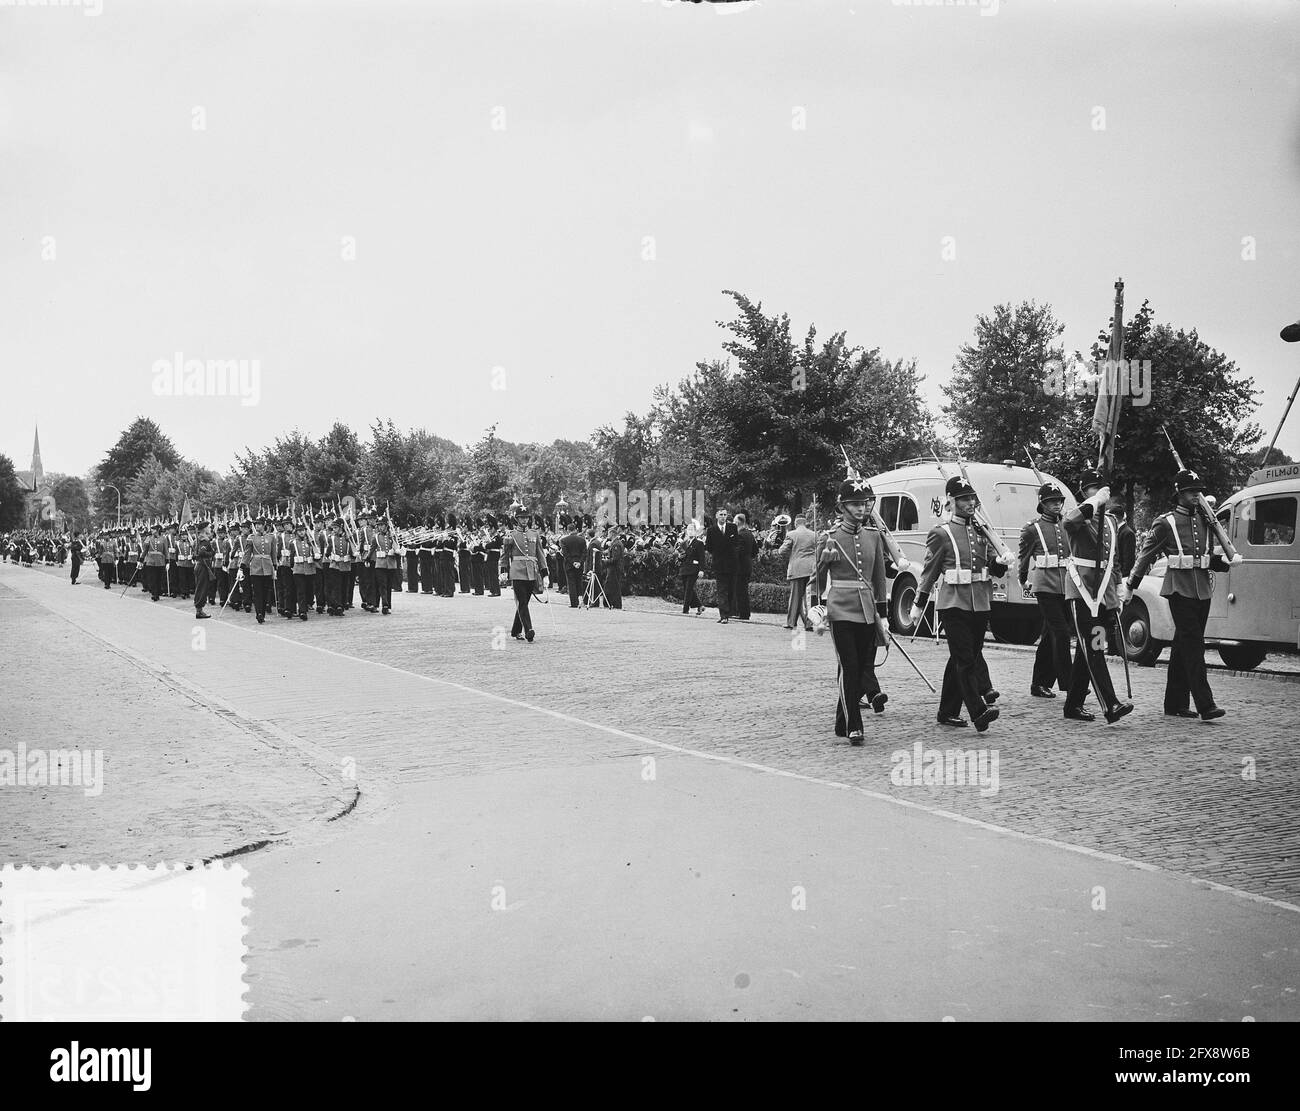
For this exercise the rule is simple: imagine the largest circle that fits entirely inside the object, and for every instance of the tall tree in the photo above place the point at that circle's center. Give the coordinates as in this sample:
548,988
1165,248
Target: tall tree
1196,392
13,499
332,465
142,439
1000,399
486,484
70,497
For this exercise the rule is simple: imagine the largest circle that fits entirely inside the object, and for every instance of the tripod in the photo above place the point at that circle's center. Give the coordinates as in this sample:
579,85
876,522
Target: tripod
595,592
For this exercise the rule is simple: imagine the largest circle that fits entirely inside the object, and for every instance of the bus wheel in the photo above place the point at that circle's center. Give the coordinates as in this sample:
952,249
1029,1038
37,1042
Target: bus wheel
901,596
1242,657
1142,648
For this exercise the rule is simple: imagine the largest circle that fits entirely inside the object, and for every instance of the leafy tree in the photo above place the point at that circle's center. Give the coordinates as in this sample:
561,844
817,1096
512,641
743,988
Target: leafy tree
332,465
71,497
620,456
13,499
486,483
772,430
997,401
1196,392
131,452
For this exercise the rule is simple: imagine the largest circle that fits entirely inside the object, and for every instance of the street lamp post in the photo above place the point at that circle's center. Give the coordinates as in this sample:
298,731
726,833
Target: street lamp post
110,486
1291,333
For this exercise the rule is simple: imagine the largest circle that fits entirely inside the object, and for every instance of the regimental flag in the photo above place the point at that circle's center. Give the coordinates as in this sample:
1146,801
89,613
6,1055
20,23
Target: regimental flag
187,517
1111,387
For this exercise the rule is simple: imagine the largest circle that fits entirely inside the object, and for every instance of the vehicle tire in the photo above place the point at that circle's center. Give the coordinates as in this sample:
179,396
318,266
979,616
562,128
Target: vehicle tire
1242,657
1015,624
1142,648
901,595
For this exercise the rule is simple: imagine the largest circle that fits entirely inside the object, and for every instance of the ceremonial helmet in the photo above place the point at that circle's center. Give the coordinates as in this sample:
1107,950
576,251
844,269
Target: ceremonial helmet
855,489
782,520
1187,480
1047,491
1091,477
958,487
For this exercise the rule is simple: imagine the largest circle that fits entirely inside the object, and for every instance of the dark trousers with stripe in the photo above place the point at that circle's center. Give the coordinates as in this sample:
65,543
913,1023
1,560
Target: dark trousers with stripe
386,580
304,588
1052,664
967,675
523,595
1090,657
285,595
426,571
1186,677
412,572
855,656
260,588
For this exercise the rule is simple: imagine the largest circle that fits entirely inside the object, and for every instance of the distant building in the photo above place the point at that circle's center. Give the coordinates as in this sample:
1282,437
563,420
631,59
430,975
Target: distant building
33,480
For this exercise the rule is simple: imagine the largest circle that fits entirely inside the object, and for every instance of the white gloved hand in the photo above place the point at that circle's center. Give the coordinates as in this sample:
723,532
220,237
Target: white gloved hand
1099,499
914,616
1121,591
904,564
1236,558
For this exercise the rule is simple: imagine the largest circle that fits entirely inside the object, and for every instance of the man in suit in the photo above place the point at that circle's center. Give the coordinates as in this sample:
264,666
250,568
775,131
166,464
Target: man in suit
692,564
573,552
746,550
720,543
800,549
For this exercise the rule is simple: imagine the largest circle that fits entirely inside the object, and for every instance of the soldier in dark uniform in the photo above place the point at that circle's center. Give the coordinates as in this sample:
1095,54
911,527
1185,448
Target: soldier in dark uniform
478,562
204,550
155,563
412,567
463,562
853,557
1094,591
107,560
340,566
963,563
1045,556
1186,541
430,575
77,547
495,542
746,550
614,552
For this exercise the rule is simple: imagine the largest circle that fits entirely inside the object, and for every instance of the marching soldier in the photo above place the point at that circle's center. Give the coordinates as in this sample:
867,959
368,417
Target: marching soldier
320,542
445,559
285,590
260,553
107,559
1094,591
303,553
155,563
243,585
1185,539
522,560
340,561
961,560
365,565
1044,557
386,555
204,550
853,556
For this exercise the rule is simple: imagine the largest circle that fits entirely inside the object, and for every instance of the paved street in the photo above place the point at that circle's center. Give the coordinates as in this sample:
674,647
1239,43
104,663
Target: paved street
623,818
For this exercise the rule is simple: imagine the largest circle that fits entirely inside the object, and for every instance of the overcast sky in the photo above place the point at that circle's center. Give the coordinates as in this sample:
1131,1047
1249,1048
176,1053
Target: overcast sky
518,240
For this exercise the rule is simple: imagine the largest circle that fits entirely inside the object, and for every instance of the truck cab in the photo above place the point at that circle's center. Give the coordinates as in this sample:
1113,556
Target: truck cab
910,500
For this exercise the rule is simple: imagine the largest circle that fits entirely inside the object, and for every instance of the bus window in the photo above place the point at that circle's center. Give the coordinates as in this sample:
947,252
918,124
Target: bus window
1272,521
907,514
888,509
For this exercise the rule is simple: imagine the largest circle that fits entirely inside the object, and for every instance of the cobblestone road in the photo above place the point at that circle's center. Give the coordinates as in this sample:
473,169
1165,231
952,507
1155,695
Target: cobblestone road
1214,801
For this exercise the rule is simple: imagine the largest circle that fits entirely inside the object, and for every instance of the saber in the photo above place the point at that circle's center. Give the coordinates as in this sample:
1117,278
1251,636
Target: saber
1123,649
239,577
883,623
130,581
901,649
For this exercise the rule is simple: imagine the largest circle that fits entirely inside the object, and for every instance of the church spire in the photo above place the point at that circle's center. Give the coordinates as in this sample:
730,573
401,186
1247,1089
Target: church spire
38,472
